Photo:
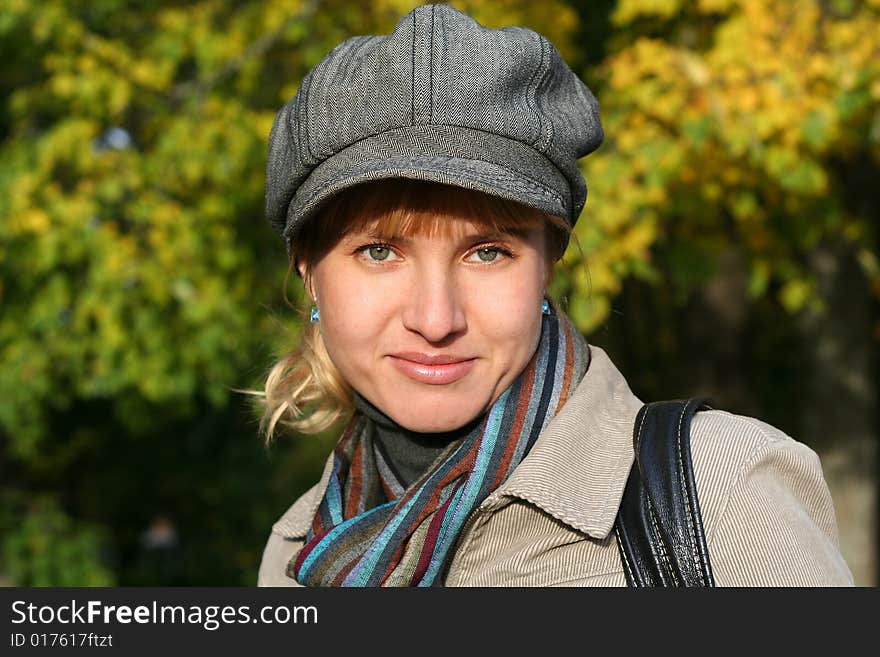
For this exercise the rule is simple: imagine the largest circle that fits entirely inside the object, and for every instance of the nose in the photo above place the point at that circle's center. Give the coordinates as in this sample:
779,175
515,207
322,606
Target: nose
433,308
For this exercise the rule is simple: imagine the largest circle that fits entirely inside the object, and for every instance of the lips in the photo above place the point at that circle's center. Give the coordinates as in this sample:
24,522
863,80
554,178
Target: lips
439,369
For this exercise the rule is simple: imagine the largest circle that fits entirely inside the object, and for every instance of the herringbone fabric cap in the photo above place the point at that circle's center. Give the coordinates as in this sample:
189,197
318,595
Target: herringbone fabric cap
442,99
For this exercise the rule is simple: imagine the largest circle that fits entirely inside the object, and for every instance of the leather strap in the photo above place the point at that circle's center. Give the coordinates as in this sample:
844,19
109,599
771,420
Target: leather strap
659,528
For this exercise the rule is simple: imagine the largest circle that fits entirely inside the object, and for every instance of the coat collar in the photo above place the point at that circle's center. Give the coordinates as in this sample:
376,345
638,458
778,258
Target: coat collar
578,467
297,520
576,471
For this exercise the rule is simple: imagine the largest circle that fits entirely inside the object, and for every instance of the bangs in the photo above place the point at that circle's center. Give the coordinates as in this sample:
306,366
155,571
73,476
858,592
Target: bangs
401,207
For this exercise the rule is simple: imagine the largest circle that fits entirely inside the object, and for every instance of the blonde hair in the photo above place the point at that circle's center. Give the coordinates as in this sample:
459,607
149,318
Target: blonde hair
304,390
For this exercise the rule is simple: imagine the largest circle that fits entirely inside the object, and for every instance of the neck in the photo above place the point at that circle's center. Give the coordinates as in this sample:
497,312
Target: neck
386,424
408,453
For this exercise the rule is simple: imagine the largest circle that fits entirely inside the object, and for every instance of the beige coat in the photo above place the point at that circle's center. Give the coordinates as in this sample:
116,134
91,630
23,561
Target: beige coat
766,509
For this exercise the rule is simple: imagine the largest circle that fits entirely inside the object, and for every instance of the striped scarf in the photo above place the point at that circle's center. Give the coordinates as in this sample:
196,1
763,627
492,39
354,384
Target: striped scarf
369,531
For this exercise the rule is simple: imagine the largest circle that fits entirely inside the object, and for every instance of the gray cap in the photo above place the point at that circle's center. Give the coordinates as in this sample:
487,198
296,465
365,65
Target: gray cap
441,99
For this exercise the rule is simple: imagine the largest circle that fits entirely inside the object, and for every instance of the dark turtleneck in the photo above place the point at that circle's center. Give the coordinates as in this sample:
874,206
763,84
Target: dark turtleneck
408,453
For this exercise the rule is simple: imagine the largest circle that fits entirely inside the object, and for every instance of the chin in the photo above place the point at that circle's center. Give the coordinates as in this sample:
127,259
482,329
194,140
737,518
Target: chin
434,417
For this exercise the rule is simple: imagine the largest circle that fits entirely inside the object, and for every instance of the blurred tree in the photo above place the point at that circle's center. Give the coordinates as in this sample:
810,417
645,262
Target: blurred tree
752,125
47,547
139,282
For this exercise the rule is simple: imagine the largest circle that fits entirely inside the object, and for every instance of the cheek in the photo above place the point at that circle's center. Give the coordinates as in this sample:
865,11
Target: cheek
354,315
510,314
523,328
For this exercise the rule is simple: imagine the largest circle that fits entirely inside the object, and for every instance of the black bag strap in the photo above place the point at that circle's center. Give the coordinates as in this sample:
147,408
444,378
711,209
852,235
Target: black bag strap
659,528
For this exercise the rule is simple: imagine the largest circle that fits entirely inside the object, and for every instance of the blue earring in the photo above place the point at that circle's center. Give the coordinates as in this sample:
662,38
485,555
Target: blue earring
545,307
315,317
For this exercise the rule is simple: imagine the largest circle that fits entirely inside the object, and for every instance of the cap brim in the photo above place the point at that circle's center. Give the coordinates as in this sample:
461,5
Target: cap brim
443,154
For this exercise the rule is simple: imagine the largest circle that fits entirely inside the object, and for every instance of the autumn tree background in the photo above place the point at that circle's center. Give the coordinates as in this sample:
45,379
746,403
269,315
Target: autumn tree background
730,238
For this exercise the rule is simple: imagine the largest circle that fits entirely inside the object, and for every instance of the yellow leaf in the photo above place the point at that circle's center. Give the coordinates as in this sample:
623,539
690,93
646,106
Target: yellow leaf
795,294
33,220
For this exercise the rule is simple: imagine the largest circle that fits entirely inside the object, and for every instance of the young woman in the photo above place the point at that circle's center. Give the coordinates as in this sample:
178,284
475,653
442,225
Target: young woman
425,183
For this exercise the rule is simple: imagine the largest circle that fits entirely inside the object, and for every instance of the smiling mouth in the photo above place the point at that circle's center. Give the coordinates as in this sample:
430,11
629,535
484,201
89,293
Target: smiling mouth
432,370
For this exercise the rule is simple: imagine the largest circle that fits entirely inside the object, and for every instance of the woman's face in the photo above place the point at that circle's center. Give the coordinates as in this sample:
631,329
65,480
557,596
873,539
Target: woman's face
432,329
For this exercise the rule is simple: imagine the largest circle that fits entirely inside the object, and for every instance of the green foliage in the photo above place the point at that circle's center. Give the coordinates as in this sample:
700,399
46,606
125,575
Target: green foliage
741,125
49,548
140,283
